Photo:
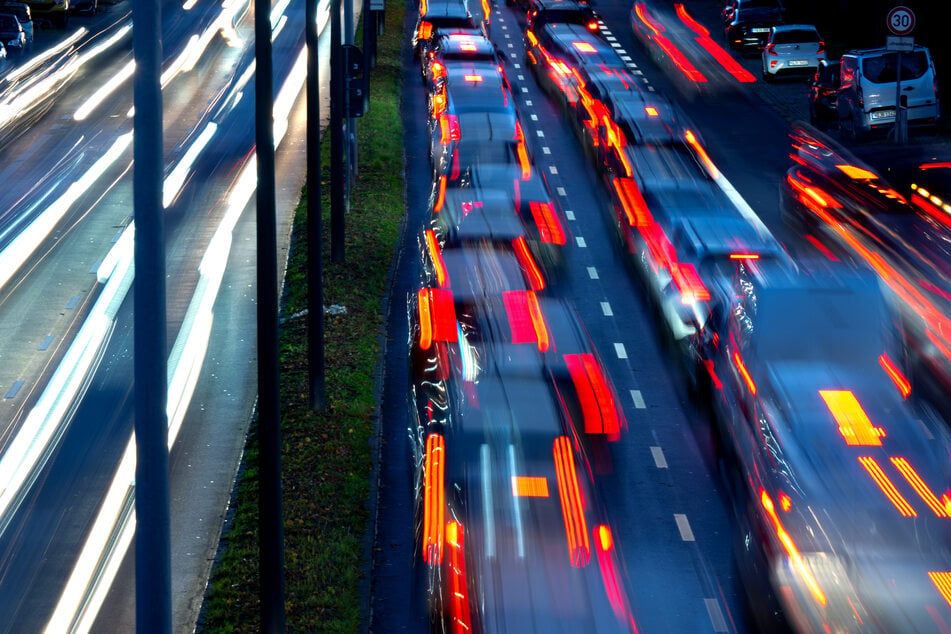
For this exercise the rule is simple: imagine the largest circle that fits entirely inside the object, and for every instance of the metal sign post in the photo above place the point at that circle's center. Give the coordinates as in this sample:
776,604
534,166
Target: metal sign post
901,22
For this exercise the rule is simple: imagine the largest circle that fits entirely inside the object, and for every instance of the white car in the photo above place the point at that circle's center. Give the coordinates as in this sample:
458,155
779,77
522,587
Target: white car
792,49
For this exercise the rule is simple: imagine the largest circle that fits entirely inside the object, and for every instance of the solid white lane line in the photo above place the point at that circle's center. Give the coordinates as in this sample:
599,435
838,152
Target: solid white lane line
659,458
683,526
638,399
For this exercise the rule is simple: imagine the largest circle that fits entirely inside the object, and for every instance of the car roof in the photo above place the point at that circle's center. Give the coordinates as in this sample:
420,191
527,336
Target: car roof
465,45
583,45
717,235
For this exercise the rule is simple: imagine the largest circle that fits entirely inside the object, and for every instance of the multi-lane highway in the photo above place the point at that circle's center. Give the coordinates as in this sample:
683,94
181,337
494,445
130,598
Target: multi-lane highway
672,516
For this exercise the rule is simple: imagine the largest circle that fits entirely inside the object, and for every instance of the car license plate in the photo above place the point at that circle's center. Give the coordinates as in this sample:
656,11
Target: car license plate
799,62
759,30
883,114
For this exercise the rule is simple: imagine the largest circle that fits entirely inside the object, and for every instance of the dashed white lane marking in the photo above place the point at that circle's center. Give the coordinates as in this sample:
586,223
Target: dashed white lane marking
546,149
510,45
592,272
627,58
620,351
634,68
659,458
570,215
561,191
610,38
606,309
516,65
508,36
638,399
581,243
534,117
528,102
552,169
521,77
683,526
504,28
716,615
651,88
537,132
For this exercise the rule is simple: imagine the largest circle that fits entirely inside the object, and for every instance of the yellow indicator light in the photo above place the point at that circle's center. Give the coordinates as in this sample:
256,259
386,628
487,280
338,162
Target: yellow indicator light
857,173
529,487
854,424
887,487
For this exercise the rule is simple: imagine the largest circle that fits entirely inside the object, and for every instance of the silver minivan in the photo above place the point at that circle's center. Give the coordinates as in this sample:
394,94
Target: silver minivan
867,95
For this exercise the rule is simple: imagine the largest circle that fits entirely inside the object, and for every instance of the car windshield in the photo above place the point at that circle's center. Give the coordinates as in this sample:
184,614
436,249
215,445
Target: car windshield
882,69
795,37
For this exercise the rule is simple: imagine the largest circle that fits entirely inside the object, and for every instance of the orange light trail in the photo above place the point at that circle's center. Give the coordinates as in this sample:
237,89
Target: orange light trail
425,319
702,153
435,254
744,256
716,51
857,173
742,368
530,268
529,486
598,407
549,228
920,487
538,321
675,55
854,424
434,507
887,487
632,202
572,503
790,546
942,581
902,383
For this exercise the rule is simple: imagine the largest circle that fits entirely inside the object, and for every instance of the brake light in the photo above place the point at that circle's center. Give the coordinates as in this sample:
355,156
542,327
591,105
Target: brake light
822,47
633,203
854,423
425,30
584,47
651,111
738,360
532,40
434,507
437,316
522,153
592,25
472,78
525,318
549,228
702,153
439,70
535,278
744,256
441,195
598,407
529,487
468,47
448,128
572,503
458,586
771,50
692,288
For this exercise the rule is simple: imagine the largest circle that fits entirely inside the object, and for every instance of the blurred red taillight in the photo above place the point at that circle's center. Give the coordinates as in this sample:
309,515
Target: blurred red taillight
592,25
822,47
771,49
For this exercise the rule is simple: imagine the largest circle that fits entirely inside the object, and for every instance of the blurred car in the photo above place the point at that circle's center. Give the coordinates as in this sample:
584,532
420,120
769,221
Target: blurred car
598,91
56,12
848,211
452,48
822,92
22,12
11,33
792,49
868,87
509,527
542,12
440,17
748,23
831,470
558,51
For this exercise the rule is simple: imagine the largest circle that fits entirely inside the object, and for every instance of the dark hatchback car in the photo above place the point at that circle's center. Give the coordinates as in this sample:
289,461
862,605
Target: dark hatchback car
542,12
748,23
11,33
823,91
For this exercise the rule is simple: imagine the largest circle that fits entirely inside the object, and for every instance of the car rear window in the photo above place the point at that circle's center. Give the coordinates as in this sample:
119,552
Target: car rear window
882,69
795,37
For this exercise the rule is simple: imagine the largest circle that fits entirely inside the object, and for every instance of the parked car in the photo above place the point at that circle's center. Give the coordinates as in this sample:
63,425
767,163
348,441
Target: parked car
869,84
748,23
792,49
823,91
22,12
12,33
54,11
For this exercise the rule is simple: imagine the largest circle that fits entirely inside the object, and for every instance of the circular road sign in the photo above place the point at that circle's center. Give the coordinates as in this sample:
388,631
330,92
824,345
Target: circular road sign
901,20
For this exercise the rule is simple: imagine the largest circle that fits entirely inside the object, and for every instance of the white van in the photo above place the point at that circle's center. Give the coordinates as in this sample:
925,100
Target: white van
866,99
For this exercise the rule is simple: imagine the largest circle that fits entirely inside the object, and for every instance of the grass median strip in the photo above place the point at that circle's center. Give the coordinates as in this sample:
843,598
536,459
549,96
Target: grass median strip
326,456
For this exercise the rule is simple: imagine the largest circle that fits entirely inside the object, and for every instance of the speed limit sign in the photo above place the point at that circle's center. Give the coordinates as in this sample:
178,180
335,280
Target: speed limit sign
901,20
